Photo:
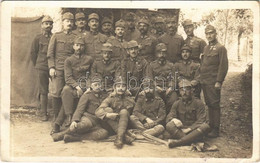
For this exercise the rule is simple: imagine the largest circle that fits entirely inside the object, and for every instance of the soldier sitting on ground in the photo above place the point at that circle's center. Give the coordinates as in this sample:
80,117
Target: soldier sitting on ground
186,121
187,69
75,69
115,111
85,125
149,112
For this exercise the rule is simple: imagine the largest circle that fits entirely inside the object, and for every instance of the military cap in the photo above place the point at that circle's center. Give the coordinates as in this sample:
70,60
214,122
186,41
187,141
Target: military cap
93,16
143,20
129,16
107,47
132,44
161,47
106,20
80,15
210,28
184,83
47,18
120,23
186,47
159,20
96,78
67,15
187,22
119,80
79,40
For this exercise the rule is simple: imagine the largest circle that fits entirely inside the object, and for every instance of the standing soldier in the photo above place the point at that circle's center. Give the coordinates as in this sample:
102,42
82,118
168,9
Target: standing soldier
187,69
146,42
134,68
81,24
118,42
60,47
187,118
173,41
213,70
94,39
131,32
197,44
39,58
159,26
76,67
106,68
163,73
85,125
115,110
107,27
149,112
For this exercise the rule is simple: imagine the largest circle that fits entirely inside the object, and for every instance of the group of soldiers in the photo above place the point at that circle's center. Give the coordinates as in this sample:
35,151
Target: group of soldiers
124,77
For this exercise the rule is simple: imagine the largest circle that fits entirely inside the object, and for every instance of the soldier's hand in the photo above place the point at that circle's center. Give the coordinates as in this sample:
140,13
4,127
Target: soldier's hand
142,93
79,91
169,90
112,116
218,85
149,125
52,72
148,120
159,89
194,82
186,130
177,122
73,126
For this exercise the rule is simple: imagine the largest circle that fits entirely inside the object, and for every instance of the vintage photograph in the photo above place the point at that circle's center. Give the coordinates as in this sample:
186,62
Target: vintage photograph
131,82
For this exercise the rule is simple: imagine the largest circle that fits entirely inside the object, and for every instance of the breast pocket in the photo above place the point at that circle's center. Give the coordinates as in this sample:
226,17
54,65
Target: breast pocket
60,45
43,47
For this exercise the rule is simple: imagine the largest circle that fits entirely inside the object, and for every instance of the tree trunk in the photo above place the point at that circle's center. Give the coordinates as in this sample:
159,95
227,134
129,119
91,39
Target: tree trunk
226,25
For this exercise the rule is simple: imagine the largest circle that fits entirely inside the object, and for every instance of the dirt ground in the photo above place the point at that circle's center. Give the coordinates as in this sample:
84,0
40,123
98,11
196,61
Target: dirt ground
30,137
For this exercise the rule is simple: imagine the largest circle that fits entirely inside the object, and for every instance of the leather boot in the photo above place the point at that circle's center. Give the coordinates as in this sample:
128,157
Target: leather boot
186,140
96,133
119,142
215,123
44,102
56,105
60,135
155,131
55,129
175,132
68,120
71,138
129,139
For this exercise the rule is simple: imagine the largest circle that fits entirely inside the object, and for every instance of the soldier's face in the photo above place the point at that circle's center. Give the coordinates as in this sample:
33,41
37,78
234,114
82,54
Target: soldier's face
159,26
120,89
120,31
96,86
185,54
47,26
149,92
106,55
161,55
80,23
143,28
106,27
133,52
185,93
93,24
78,48
67,24
189,29
211,36
130,24
172,26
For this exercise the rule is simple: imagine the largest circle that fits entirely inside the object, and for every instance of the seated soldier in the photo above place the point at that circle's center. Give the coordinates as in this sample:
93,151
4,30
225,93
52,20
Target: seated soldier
85,125
187,69
115,111
163,73
75,68
149,111
107,68
187,118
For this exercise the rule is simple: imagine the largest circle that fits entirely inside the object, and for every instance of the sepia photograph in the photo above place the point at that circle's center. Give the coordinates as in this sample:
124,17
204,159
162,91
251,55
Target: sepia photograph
130,81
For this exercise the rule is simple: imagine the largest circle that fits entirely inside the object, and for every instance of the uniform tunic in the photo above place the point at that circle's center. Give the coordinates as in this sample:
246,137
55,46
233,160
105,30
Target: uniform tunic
197,45
192,114
174,44
119,48
131,35
147,47
187,69
79,32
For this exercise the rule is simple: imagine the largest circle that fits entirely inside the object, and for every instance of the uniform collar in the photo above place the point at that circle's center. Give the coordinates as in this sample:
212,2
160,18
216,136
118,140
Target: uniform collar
160,33
162,62
67,32
213,42
146,100
120,39
81,30
93,32
133,59
187,102
106,62
46,34
143,36
186,62
190,37
77,56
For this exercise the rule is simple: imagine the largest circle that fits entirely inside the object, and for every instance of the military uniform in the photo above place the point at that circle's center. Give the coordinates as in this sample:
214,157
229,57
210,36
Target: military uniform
159,33
39,58
186,69
131,33
80,32
147,47
109,34
174,44
192,115
213,69
60,47
197,44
